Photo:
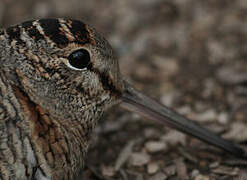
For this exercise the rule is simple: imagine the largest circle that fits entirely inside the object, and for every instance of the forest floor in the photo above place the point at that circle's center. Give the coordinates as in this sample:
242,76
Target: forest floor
191,55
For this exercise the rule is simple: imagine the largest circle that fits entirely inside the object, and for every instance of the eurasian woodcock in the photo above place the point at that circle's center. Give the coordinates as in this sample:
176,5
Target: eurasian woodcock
57,77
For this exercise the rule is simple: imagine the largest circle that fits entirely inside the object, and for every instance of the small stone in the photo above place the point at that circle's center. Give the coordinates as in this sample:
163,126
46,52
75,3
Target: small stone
223,118
185,110
232,75
181,169
214,165
108,171
155,146
201,177
195,173
174,138
151,133
139,159
159,176
170,170
225,170
237,132
168,98
152,168
206,116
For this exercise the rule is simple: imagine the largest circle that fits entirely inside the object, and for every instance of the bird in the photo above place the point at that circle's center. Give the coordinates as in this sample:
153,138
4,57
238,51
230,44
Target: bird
57,77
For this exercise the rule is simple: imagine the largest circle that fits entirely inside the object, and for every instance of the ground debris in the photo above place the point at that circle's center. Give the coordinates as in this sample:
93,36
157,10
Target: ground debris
181,169
232,74
108,171
155,146
174,138
201,177
124,155
189,54
224,170
139,159
159,176
152,168
237,132
170,170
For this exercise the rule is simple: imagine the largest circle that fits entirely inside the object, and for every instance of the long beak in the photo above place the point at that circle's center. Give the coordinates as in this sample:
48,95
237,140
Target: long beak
134,100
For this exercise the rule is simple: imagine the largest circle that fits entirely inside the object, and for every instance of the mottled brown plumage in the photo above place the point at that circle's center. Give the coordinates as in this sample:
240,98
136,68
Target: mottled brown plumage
49,110
57,77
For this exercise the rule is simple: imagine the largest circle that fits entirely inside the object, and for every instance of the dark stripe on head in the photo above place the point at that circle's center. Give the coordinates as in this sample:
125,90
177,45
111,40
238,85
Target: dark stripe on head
53,30
32,30
108,84
106,81
79,31
14,33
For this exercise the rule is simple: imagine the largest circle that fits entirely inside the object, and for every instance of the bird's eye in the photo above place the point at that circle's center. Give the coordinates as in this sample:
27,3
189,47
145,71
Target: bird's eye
79,59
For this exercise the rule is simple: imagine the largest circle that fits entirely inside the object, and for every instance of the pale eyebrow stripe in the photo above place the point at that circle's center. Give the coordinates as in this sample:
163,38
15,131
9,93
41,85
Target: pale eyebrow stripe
68,33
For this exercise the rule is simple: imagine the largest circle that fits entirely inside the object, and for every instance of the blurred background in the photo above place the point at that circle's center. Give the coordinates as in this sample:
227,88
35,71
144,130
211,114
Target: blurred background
188,54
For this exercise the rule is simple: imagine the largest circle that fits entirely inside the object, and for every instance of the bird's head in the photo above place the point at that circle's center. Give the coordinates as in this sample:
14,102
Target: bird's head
63,65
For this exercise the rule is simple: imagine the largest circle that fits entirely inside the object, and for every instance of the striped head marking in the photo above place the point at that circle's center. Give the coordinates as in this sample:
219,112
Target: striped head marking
63,63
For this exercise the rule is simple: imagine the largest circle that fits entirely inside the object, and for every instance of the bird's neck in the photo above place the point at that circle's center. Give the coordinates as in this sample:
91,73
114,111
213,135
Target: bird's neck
59,140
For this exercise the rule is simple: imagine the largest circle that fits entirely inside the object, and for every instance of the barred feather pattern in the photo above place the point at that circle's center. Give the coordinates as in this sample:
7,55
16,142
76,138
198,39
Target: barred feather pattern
47,110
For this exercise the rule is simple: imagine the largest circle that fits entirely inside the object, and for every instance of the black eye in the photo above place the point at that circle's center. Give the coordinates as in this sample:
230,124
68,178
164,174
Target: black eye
79,59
